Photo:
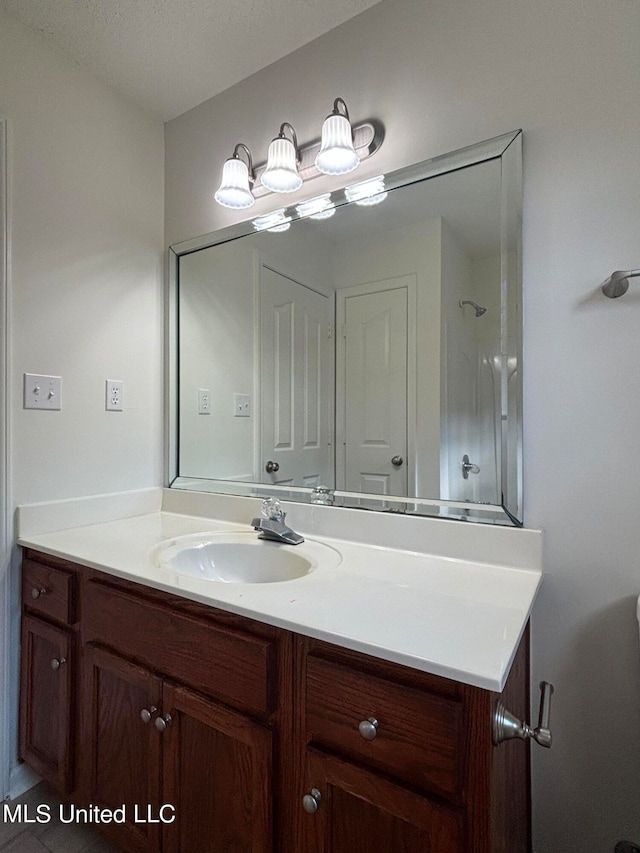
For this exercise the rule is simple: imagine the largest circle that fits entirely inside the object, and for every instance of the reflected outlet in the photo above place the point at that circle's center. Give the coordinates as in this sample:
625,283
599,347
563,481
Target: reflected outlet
242,405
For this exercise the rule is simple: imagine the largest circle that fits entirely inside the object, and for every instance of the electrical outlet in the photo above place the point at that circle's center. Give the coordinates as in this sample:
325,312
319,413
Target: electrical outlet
42,392
114,395
204,401
241,405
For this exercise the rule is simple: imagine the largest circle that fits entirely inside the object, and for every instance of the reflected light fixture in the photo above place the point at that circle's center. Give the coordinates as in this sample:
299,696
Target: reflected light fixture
281,174
237,179
367,193
337,154
275,221
320,207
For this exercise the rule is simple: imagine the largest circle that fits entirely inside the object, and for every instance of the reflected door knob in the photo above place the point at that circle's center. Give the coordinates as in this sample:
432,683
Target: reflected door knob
311,801
56,663
271,467
397,461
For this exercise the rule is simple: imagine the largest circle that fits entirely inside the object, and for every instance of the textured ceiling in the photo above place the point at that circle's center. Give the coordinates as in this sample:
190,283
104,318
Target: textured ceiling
171,55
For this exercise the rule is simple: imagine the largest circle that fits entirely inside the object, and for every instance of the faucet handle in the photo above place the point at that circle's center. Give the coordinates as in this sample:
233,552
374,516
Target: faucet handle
272,510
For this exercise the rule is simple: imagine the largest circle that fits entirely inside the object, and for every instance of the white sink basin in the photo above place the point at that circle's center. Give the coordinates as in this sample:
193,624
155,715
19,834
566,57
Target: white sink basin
240,557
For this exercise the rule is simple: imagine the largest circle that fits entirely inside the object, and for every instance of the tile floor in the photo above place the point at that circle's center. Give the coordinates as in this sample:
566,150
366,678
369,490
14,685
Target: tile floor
52,837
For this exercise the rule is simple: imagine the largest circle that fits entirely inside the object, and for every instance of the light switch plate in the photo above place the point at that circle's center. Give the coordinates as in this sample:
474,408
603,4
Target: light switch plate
42,392
241,405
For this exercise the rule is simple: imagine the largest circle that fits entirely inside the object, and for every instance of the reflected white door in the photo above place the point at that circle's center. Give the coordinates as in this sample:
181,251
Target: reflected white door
296,357
374,389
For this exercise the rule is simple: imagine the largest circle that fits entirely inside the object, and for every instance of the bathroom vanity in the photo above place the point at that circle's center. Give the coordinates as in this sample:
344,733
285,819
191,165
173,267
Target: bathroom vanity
141,690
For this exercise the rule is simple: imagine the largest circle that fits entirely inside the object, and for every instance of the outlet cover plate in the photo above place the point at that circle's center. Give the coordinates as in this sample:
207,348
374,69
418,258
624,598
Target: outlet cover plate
114,395
42,392
204,401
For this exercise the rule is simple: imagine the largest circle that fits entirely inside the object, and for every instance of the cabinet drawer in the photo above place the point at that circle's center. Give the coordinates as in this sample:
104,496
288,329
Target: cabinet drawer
239,669
49,591
417,736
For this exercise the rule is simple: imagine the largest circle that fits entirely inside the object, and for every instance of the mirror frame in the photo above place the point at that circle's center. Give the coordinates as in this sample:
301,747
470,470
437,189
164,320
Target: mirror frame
508,149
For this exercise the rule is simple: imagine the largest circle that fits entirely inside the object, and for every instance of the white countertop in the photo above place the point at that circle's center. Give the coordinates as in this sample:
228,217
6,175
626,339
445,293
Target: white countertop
449,616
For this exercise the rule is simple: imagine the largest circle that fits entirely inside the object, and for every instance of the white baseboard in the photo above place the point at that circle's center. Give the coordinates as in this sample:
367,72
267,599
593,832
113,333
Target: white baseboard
22,778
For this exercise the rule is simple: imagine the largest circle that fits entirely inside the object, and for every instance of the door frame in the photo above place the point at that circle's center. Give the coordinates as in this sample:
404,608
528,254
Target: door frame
342,294
6,706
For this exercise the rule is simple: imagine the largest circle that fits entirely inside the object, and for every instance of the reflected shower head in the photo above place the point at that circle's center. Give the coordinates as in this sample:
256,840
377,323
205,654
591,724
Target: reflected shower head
478,308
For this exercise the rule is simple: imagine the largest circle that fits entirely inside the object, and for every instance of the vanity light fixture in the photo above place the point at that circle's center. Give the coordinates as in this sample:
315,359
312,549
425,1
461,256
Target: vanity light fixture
275,221
342,147
281,174
367,193
237,179
320,207
337,154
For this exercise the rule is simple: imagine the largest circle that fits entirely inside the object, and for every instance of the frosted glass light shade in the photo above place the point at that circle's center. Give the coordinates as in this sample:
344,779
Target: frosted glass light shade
281,174
337,156
234,190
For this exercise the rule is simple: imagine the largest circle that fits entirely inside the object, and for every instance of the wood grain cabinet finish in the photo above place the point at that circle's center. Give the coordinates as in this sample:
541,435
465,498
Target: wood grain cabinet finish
47,701
236,724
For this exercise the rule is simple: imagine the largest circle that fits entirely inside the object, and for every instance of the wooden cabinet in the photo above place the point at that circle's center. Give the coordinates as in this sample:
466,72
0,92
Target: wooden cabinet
400,760
48,671
254,739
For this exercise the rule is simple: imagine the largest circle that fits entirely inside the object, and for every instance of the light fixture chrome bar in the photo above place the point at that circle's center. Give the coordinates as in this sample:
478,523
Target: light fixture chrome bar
367,139
618,283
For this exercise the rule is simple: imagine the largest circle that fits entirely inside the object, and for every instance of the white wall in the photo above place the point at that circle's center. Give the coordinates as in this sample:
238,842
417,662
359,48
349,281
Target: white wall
445,74
85,171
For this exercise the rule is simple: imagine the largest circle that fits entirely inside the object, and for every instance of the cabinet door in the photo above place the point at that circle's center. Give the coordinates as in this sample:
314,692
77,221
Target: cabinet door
124,761
359,811
217,767
47,701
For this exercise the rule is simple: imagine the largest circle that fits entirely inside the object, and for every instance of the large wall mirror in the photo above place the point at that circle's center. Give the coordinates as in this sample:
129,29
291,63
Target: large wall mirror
375,351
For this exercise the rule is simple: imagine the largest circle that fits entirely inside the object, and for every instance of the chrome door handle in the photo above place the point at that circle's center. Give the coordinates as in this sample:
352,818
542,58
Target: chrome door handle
271,467
468,467
397,461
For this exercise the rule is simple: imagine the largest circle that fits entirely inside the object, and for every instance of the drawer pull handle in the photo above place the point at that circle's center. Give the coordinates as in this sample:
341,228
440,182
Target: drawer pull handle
161,723
147,713
36,592
368,728
311,801
56,663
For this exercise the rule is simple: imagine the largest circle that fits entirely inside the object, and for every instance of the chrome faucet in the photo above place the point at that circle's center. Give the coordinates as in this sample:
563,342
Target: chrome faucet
271,524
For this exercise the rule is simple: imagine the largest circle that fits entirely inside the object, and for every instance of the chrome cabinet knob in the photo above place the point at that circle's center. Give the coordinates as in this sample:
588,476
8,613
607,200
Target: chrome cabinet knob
147,713
161,723
56,663
271,467
36,592
368,728
311,801
397,461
